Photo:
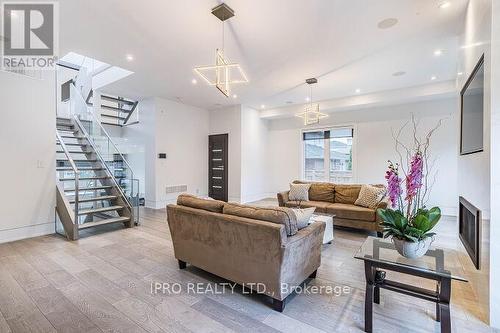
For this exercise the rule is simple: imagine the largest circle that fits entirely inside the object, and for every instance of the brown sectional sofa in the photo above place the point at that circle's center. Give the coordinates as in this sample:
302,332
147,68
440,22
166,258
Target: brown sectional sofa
244,244
338,200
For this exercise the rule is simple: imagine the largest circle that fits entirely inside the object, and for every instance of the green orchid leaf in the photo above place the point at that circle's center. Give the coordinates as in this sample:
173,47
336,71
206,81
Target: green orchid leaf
411,238
385,215
434,216
421,222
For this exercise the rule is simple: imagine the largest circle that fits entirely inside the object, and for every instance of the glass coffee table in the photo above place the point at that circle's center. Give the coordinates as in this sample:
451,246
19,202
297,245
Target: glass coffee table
379,255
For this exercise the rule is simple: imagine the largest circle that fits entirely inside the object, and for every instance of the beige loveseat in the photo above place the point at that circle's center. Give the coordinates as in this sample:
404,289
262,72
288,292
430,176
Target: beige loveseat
245,244
338,200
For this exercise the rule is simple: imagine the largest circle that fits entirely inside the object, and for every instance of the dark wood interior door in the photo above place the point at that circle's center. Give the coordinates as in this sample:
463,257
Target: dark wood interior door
217,166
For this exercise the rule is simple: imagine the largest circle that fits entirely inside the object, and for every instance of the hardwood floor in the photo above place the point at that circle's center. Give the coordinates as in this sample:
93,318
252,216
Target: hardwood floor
102,283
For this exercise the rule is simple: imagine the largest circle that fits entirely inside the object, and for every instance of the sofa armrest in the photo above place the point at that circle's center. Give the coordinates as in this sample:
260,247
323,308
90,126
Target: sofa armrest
283,198
301,256
382,204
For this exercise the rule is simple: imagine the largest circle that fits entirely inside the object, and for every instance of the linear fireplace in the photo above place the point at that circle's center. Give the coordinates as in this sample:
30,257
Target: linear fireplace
469,219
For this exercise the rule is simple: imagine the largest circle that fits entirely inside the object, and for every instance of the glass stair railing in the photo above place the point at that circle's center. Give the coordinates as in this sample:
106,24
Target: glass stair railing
106,150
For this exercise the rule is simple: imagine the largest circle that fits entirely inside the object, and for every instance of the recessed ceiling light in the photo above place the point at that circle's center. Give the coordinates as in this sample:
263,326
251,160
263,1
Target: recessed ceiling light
129,57
194,81
235,96
358,91
307,99
400,73
460,73
437,53
262,106
433,78
444,4
387,23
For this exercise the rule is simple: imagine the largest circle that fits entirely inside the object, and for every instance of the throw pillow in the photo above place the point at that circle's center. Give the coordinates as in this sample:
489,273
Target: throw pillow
303,216
299,192
370,196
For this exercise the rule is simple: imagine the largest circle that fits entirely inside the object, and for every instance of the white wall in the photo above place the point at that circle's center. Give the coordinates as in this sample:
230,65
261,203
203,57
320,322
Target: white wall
27,143
181,133
474,169
495,167
374,145
141,143
254,156
228,120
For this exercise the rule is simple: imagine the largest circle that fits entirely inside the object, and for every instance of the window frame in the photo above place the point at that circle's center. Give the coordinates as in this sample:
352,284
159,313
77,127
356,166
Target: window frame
327,149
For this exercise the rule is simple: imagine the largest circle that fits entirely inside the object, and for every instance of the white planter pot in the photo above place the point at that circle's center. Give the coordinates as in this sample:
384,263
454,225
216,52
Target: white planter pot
412,250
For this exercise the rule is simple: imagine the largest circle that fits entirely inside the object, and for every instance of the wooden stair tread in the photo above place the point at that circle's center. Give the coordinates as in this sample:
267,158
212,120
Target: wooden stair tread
103,222
99,210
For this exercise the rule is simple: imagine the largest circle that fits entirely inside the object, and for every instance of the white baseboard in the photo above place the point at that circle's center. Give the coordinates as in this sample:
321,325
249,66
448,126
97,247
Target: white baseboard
29,231
162,204
449,211
159,204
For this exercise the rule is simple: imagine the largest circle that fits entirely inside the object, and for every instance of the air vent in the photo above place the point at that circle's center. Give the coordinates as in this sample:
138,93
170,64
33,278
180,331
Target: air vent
176,189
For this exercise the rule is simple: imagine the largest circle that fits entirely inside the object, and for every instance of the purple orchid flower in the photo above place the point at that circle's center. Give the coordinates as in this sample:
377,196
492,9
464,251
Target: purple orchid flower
393,184
414,177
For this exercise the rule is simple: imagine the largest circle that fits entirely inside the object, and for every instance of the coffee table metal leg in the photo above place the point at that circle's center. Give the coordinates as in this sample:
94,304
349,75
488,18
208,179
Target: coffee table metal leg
438,310
369,308
369,297
444,305
445,318
379,277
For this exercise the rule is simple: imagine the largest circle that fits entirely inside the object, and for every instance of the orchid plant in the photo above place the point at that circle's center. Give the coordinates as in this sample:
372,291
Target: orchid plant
408,217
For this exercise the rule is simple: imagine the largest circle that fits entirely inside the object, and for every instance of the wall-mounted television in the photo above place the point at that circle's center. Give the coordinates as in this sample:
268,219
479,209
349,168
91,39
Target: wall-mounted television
472,111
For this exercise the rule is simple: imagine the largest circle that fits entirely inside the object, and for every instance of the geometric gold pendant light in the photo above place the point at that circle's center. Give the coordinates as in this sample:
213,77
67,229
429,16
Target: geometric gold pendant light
311,114
224,73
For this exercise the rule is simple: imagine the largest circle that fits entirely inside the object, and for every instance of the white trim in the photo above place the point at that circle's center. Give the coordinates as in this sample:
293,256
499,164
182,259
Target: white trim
257,197
449,211
29,231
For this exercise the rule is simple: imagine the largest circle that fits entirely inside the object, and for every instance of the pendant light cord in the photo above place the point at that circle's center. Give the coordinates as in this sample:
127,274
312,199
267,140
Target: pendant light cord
311,94
222,36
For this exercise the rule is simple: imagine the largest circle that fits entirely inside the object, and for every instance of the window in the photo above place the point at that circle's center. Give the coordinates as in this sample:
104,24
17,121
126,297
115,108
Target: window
328,155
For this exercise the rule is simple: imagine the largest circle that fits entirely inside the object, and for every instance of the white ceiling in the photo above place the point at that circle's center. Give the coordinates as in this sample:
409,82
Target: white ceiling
279,43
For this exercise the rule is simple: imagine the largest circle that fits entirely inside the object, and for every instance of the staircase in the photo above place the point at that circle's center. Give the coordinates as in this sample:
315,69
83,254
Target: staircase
115,111
90,193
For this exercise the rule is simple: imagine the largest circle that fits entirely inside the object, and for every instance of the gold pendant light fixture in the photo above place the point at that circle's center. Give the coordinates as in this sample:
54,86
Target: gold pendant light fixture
224,73
311,114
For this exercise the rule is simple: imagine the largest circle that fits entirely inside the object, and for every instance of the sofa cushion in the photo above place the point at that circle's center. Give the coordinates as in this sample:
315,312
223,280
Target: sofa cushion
346,194
370,196
320,191
280,215
351,212
199,203
320,205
